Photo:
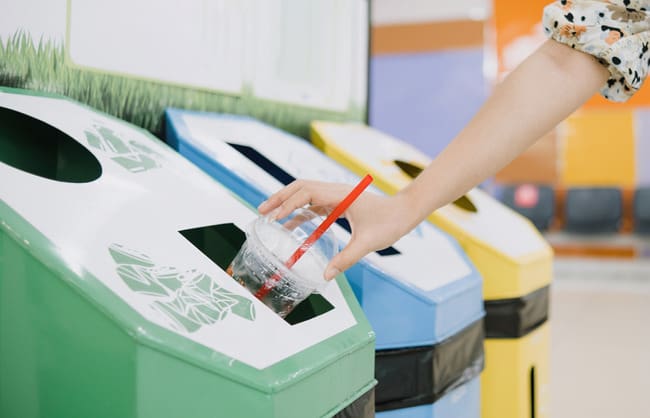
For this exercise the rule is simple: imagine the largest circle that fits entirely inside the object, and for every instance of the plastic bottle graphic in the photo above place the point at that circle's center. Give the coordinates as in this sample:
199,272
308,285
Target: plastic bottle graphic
189,299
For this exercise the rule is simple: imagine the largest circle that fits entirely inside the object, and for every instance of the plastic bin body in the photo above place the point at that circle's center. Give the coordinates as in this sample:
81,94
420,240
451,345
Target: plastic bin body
462,402
525,381
416,294
107,308
513,258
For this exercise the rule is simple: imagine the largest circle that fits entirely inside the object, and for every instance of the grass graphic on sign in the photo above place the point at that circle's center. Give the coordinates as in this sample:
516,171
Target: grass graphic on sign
42,66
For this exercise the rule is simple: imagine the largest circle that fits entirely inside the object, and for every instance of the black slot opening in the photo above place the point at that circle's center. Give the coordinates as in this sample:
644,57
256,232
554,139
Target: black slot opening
221,243
37,148
533,401
465,203
414,170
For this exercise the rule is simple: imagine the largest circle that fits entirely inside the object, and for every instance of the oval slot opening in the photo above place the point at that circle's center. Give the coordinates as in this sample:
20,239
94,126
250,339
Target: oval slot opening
33,146
414,170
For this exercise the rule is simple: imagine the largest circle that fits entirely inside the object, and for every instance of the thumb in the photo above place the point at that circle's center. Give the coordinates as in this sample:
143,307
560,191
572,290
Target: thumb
349,255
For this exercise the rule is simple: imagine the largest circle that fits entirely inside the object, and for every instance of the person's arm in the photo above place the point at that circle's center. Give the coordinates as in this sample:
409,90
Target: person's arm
543,90
547,87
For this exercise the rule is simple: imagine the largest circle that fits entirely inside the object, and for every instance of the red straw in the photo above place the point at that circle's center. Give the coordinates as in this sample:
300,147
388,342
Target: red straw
320,230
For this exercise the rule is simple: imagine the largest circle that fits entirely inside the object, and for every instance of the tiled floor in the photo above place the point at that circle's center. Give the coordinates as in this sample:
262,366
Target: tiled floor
600,355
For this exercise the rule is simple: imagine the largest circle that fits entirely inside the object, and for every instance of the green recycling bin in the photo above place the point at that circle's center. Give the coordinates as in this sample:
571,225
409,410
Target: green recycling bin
114,300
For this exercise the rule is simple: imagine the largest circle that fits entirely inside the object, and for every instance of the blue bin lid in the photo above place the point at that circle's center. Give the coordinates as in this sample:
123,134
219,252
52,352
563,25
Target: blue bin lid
420,291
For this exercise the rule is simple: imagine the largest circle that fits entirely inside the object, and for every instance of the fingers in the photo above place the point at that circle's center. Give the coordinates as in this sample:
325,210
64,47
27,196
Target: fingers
285,201
353,252
303,192
297,200
277,198
326,195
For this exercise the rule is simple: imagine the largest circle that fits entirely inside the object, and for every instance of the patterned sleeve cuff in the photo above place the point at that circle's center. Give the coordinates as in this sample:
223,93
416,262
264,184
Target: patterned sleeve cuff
616,32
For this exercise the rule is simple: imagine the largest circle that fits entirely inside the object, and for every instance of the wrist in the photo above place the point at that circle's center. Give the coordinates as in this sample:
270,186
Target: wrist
412,207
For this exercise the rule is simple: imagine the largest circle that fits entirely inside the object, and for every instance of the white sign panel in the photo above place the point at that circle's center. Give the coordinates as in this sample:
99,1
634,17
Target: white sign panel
187,42
310,53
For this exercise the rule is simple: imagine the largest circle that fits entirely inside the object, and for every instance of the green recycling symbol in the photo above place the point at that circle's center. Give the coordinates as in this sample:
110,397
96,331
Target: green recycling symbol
131,155
190,299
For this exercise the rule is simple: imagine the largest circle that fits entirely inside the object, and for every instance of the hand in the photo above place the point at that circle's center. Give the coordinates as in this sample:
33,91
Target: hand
376,221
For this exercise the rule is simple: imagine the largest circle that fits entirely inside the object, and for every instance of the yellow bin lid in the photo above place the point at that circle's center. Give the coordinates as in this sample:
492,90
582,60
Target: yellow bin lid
509,252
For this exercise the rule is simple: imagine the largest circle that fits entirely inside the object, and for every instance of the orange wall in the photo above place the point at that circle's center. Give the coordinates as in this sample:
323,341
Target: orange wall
426,37
598,148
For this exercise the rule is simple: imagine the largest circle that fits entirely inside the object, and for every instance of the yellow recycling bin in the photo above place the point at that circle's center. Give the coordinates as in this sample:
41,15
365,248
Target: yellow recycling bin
513,258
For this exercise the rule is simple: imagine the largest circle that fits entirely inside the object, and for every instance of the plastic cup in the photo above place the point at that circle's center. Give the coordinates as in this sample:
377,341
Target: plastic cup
269,244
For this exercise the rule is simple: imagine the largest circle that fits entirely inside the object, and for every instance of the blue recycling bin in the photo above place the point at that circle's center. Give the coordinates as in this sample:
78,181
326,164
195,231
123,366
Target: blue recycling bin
422,295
